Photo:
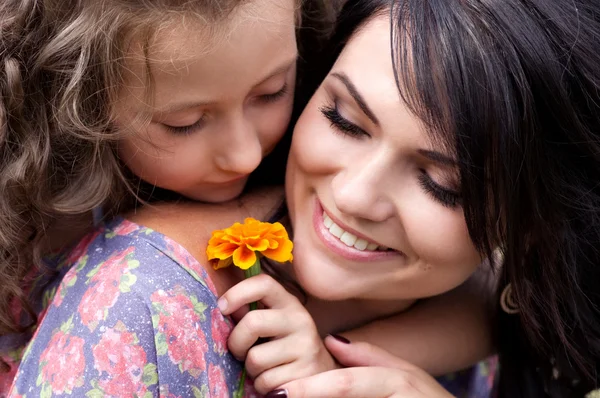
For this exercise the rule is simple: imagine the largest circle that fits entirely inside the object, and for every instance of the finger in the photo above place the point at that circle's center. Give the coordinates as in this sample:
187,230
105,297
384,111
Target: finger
257,324
365,382
364,354
274,377
261,288
240,313
269,355
280,375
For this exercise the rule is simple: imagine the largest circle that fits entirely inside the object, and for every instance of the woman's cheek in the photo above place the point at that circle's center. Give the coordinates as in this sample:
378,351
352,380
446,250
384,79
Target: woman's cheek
313,144
438,235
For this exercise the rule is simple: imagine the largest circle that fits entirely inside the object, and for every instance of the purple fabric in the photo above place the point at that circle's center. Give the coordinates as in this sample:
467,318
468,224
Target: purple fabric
134,316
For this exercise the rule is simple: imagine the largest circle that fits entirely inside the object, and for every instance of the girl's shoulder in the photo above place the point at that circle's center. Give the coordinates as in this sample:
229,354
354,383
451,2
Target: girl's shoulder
191,224
123,246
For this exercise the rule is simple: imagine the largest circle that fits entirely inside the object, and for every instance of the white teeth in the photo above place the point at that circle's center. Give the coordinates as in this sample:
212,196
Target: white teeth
372,246
348,238
336,230
362,244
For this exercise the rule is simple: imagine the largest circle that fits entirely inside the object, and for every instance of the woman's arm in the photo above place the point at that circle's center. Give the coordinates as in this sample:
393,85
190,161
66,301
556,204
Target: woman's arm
442,334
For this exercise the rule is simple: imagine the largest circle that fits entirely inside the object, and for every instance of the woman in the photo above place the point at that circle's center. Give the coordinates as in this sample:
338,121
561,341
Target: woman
510,89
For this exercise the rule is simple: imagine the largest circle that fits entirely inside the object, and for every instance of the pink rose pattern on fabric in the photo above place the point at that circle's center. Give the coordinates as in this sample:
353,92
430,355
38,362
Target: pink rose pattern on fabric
134,315
121,360
179,322
106,282
220,330
216,381
62,363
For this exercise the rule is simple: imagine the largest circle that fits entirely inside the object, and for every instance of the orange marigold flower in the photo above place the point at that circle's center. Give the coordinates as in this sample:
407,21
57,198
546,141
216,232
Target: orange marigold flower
240,242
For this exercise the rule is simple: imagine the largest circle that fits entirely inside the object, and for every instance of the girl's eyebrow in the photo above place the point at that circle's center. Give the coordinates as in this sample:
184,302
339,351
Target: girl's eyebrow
341,76
174,108
279,70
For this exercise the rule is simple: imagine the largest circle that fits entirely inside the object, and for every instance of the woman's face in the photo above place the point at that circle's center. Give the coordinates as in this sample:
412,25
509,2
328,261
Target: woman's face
372,199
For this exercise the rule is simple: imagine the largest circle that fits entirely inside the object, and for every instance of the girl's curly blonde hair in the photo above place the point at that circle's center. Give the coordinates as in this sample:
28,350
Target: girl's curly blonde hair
61,64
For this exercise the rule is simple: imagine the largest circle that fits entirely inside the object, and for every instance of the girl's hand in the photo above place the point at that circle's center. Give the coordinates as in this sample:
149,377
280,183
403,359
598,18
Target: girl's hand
372,373
295,349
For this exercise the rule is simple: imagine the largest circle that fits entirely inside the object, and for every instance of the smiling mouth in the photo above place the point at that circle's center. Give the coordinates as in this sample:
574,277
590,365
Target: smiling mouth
349,239
349,244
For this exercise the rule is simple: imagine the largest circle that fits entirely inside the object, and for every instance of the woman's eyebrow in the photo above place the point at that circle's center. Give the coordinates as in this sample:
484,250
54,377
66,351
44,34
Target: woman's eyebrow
356,95
438,157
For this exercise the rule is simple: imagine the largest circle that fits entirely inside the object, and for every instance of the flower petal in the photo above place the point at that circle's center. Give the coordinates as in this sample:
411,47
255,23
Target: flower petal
282,253
221,251
243,257
222,263
258,245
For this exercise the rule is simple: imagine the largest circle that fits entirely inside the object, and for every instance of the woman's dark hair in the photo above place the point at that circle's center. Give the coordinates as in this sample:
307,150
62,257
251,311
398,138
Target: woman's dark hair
512,88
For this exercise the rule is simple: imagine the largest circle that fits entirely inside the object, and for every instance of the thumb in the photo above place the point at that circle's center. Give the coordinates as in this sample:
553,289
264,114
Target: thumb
363,354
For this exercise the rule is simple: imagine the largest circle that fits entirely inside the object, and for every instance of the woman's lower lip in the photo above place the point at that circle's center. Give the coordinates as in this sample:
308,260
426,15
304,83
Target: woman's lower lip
338,247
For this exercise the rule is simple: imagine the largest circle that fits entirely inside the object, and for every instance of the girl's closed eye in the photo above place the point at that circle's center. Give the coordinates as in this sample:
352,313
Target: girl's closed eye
274,97
340,123
185,130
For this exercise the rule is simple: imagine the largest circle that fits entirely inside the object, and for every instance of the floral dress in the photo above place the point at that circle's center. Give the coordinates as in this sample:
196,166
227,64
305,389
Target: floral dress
130,313
135,316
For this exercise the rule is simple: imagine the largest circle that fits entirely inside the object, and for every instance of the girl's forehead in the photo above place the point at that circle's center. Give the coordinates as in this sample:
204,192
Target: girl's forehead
186,38
192,61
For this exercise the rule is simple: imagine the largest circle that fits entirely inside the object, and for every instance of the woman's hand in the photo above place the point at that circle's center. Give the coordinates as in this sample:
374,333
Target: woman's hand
371,373
295,349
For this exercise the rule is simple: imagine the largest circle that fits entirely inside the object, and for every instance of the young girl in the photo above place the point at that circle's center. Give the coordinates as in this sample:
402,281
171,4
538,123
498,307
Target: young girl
104,101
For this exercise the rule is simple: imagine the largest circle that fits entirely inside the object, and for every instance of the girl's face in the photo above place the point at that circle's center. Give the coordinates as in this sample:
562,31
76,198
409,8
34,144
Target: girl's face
220,102
372,199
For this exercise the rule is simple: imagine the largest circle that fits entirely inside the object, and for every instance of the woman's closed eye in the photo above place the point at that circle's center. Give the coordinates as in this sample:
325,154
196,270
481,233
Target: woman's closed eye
447,197
340,123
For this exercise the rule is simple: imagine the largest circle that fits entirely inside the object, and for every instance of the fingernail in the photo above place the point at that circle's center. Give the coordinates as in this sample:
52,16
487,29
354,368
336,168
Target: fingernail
277,394
341,339
222,303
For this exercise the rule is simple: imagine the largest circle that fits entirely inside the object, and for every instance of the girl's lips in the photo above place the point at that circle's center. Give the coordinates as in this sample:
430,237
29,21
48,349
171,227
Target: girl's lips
341,249
233,180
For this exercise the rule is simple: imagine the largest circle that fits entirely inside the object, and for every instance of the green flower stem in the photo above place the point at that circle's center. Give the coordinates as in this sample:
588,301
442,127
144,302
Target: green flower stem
249,273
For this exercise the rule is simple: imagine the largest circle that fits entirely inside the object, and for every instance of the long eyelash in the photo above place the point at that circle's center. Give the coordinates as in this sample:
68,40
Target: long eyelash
185,130
341,123
268,98
445,196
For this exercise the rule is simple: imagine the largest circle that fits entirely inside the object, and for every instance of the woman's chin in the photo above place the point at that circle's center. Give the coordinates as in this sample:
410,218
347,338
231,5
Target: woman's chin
318,281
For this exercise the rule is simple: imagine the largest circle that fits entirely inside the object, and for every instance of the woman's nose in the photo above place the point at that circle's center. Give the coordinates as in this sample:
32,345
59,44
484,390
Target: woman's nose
360,191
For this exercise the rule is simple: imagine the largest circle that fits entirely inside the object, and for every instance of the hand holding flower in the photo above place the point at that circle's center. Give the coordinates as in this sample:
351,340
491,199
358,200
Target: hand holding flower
243,245
295,350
